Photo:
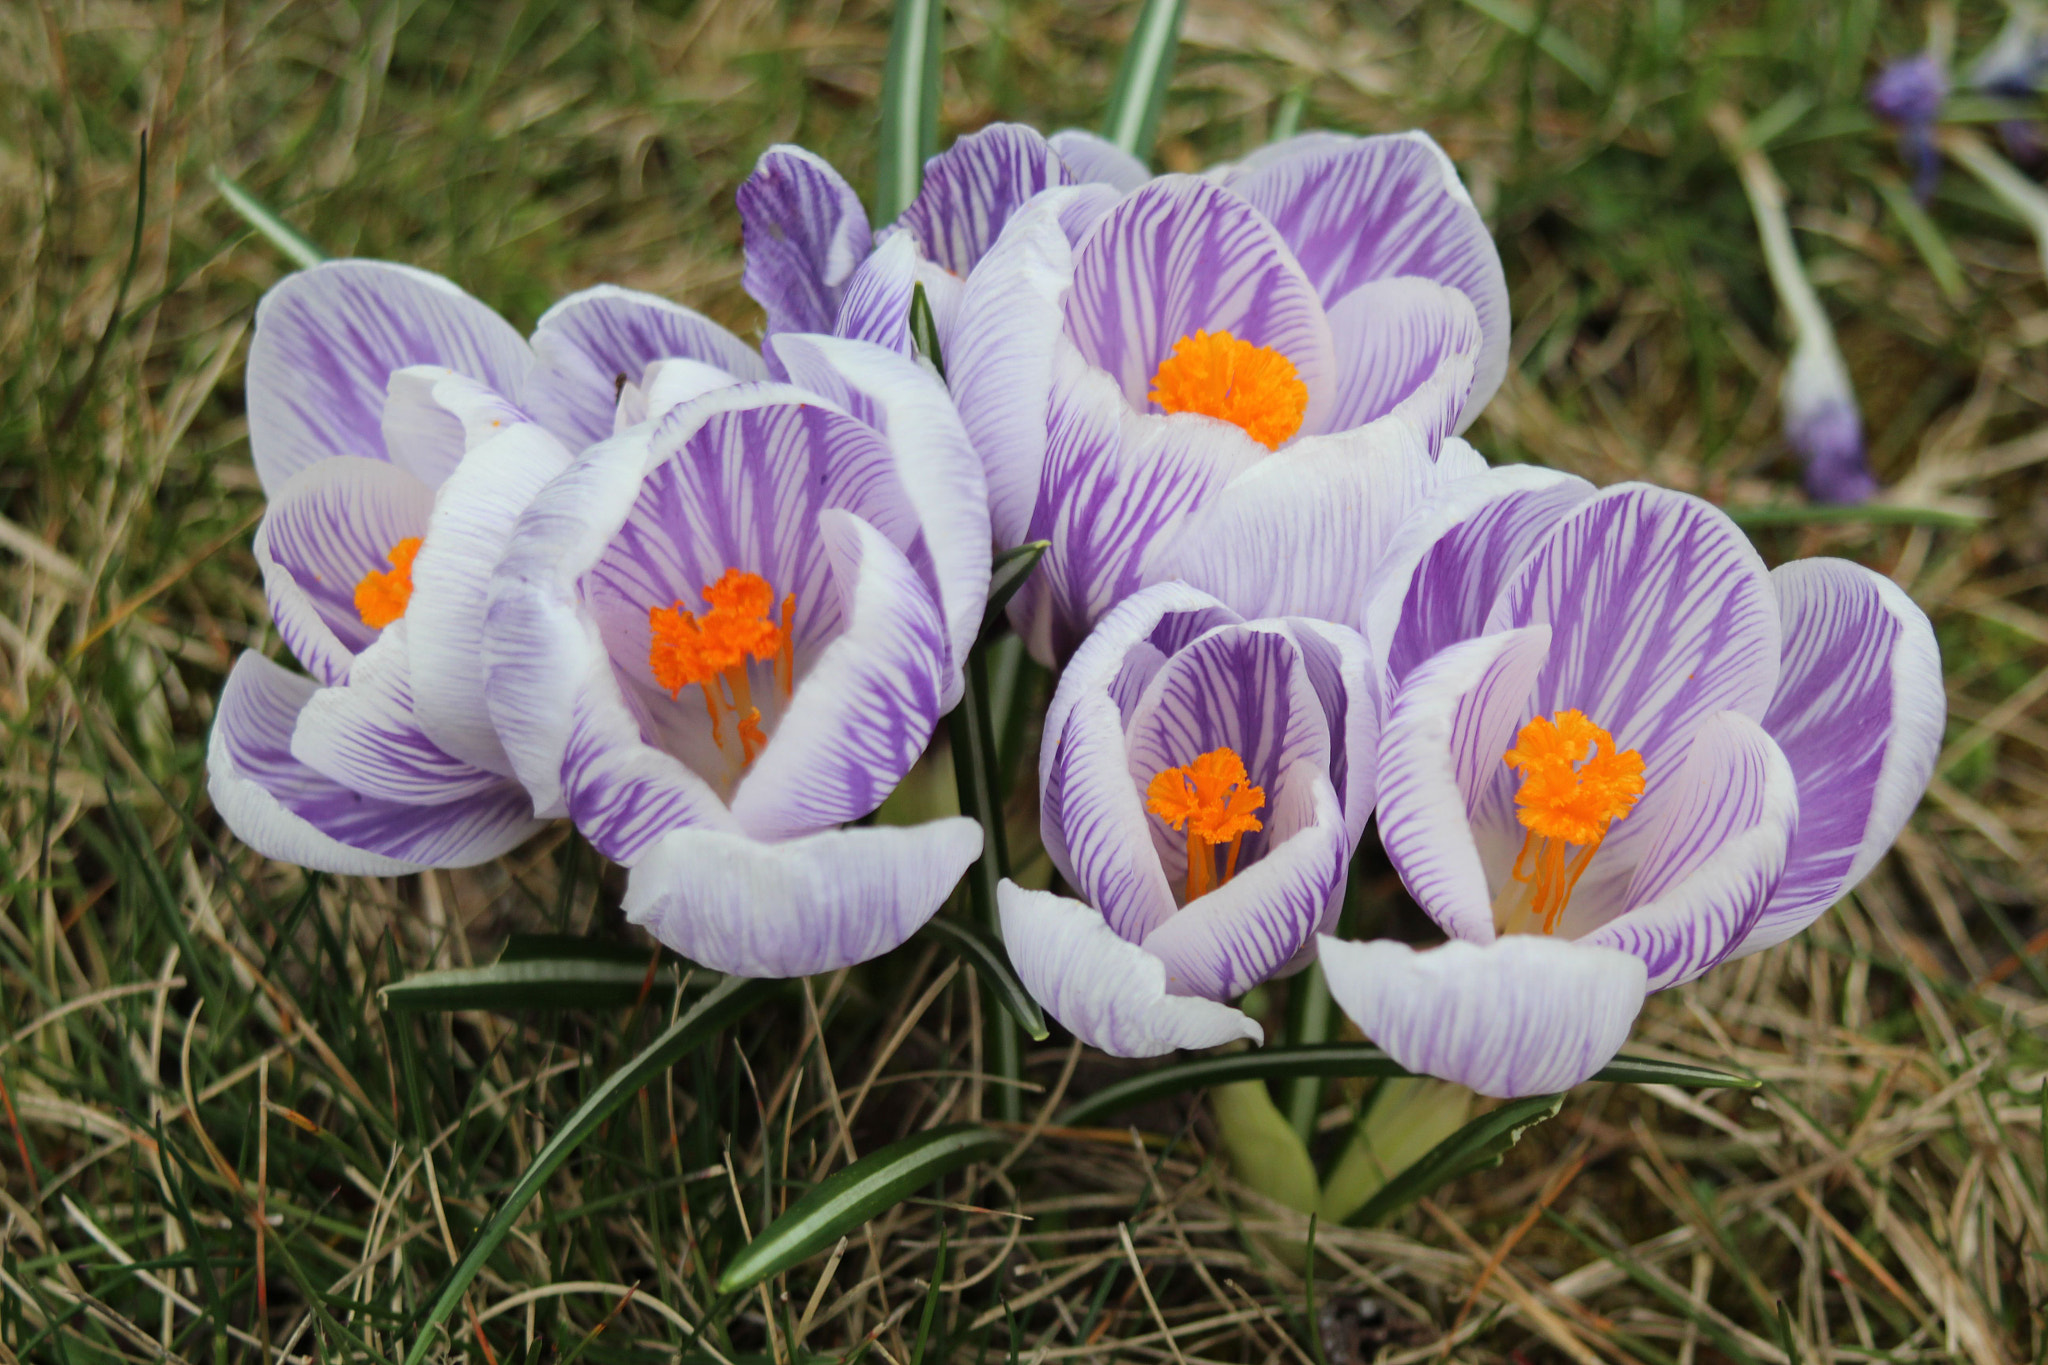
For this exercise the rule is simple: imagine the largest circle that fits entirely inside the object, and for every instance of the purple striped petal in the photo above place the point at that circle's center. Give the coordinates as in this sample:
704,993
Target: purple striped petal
876,305
1439,577
1092,159
285,810
1303,531
1346,682
805,233
1440,759
1113,480
973,187
1107,992
999,362
325,529
1859,713
1183,255
1523,1015
1404,341
591,343
1220,945
1357,210
327,341
808,905
1714,853
869,703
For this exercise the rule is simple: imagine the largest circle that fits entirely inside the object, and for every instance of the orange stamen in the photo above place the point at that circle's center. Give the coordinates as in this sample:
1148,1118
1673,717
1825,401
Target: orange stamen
381,597
1253,387
711,651
1215,799
1567,801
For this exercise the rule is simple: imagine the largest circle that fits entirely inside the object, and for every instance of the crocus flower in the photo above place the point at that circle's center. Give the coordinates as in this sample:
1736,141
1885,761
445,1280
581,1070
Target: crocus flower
398,425
1617,752
1121,385
1909,94
1204,780
726,633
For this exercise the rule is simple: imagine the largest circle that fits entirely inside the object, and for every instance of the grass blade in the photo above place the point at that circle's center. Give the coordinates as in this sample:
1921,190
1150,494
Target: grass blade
910,104
1629,1070
281,234
1006,576
527,984
985,953
1142,78
924,330
720,1007
878,1181
1479,1143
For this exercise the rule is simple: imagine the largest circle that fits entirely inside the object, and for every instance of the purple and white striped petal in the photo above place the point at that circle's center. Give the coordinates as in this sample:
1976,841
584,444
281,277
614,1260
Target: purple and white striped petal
1363,209
591,341
1346,682
327,341
808,905
1714,853
1303,531
1859,713
1220,945
285,810
1523,1015
971,189
1183,255
1108,992
870,701
876,305
1404,342
1093,159
325,529
1440,757
1114,479
805,234
1440,575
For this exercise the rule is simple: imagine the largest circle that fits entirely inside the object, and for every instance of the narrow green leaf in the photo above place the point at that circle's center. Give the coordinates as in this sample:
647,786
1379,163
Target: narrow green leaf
1479,1143
1337,1059
718,1009
1142,78
924,330
931,1301
1926,237
528,984
878,1181
1006,575
1311,1018
281,234
985,953
910,104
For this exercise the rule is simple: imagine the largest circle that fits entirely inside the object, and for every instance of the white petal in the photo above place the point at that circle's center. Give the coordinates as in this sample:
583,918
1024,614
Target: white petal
364,736
1096,159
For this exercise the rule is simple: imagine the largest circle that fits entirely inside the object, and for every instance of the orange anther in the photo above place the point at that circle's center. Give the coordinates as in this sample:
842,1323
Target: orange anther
381,597
1567,800
1253,387
1215,799
712,651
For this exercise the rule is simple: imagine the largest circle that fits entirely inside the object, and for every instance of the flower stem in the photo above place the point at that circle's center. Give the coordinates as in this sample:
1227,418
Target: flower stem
979,774
1311,1017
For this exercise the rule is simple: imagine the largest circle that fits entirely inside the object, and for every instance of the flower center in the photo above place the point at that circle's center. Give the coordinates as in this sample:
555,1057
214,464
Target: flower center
712,651
1567,800
1253,387
381,597
1214,798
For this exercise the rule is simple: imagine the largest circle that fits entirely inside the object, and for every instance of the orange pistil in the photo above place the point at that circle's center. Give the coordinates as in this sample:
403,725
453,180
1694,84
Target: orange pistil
381,597
1567,801
1215,799
712,651
1253,387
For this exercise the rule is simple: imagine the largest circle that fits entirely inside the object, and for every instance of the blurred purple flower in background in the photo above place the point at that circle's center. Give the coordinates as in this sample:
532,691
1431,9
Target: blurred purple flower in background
1908,94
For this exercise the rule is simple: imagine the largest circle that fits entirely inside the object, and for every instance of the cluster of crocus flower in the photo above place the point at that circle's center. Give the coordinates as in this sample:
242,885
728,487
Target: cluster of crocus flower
709,604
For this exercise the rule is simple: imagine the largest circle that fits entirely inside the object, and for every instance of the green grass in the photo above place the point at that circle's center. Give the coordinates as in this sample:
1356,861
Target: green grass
217,1146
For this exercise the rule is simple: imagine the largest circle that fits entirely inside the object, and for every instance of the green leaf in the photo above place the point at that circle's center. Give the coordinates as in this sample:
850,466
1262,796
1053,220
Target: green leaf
910,104
716,1010
1265,1153
1479,1143
924,330
1337,1059
985,953
1007,574
878,1181
281,234
1142,78
527,984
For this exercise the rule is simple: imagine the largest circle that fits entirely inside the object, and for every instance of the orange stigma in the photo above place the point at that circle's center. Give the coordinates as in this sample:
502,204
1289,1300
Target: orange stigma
712,651
1215,799
1567,800
1253,387
381,597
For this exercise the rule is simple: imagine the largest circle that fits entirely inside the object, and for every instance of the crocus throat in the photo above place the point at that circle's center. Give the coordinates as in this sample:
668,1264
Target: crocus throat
381,597
1567,800
1253,387
712,651
1215,799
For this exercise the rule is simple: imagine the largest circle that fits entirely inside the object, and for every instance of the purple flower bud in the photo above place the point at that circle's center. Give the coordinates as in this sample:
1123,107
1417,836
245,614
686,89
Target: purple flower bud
1909,91
1829,442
